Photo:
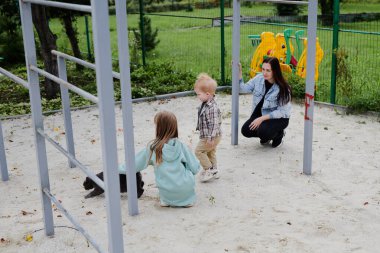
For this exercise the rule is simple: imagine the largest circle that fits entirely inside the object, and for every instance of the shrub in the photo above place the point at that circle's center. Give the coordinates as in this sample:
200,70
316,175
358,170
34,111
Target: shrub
298,85
344,82
155,79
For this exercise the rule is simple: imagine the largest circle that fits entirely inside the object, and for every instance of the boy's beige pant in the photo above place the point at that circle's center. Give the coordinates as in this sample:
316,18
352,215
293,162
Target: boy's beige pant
205,155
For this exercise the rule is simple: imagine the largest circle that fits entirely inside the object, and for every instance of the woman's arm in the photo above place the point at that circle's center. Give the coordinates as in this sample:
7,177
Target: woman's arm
248,87
283,111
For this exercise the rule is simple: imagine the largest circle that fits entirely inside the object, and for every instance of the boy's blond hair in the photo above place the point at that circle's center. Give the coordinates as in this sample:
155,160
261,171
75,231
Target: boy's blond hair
205,83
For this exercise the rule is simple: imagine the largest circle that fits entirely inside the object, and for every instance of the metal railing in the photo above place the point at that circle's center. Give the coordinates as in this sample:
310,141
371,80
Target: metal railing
105,102
3,159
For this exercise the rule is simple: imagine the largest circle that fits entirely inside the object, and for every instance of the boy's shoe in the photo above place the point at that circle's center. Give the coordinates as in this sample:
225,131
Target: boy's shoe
206,175
264,142
215,173
277,141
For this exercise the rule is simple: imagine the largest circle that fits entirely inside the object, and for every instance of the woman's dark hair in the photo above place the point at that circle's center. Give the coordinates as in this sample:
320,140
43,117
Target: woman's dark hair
285,94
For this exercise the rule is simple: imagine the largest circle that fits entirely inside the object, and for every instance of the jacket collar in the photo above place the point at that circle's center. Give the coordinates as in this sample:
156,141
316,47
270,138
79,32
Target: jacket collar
208,104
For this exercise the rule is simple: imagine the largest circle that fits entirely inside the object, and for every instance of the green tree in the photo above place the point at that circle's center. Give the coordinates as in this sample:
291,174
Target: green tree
11,44
288,9
150,36
68,19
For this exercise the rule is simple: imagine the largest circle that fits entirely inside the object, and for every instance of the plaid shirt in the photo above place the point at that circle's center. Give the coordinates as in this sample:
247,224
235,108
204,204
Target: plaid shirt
209,120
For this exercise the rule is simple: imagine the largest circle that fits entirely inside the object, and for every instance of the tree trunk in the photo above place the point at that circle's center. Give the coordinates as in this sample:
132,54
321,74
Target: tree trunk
72,35
327,12
48,43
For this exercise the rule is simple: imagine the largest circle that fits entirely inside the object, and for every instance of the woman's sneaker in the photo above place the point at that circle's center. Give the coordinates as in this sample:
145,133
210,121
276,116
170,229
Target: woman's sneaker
277,141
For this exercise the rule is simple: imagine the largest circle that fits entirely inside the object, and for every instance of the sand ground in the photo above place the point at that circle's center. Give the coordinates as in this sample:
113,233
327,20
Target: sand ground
262,202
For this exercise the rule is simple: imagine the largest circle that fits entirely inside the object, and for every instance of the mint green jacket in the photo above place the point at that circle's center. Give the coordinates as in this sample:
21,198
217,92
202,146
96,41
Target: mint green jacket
175,176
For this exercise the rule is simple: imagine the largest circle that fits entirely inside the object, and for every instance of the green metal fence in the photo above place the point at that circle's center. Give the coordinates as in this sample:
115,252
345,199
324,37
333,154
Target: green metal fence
193,37
193,40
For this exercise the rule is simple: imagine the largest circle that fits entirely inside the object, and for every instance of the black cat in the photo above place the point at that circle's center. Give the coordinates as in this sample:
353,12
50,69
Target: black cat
89,184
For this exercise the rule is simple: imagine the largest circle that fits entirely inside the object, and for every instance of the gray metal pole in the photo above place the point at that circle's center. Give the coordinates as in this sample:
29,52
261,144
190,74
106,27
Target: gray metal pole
3,158
65,97
126,100
235,72
87,171
281,2
73,221
14,78
104,82
37,119
70,86
74,7
310,82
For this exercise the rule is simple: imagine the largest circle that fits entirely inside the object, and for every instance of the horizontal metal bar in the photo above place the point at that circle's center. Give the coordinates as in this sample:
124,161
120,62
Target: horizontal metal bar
70,86
14,78
173,95
257,37
81,62
359,32
74,7
72,220
175,16
280,1
135,100
280,24
88,172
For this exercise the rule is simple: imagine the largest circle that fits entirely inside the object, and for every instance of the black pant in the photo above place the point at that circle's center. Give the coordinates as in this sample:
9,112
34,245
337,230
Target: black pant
268,129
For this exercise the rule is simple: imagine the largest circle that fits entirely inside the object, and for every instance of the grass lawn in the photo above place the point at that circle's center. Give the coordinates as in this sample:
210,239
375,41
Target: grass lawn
193,44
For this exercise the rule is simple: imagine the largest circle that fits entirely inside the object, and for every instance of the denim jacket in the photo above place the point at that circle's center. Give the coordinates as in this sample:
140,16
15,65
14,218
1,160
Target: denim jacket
271,106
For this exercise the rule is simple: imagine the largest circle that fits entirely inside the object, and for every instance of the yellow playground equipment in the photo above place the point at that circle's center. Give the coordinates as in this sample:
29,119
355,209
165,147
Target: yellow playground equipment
280,46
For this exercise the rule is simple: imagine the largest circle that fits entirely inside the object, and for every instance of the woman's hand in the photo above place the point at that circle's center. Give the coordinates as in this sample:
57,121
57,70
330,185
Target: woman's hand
240,70
257,122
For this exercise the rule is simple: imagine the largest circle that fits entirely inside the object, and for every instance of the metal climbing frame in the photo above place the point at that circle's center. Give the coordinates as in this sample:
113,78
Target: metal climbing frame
310,69
105,101
3,158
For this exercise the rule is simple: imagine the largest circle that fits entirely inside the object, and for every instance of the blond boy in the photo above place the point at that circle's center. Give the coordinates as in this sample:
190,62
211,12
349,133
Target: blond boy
209,121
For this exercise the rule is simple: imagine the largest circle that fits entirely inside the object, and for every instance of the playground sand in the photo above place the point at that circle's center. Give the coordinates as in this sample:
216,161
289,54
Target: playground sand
262,202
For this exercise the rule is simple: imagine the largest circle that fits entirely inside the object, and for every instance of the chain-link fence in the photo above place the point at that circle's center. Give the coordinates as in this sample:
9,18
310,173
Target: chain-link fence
192,36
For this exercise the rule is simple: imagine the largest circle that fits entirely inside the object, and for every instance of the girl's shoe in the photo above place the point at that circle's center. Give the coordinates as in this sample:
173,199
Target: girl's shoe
163,204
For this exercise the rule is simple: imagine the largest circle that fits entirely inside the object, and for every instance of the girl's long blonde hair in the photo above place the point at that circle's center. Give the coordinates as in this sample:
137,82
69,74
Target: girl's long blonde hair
166,128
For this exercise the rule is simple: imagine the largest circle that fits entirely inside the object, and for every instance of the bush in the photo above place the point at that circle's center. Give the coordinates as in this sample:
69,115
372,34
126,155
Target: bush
369,101
288,9
155,79
298,85
11,48
345,84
